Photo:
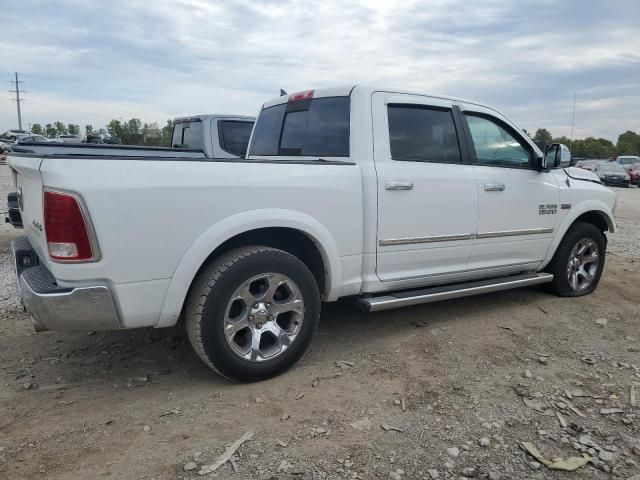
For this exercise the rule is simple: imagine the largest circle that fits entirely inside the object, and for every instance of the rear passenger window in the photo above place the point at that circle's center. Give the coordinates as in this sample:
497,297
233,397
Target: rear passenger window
234,136
312,128
423,134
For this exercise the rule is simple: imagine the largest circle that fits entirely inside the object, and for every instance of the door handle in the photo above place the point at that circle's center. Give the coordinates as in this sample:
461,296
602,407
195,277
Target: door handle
398,185
494,187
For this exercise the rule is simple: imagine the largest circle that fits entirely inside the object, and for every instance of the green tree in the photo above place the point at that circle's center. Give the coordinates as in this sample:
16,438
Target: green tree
50,130
88,130
542,138
73,129
628,143
116,129
36,128
134,130
591,147
60,128
151,134
166,134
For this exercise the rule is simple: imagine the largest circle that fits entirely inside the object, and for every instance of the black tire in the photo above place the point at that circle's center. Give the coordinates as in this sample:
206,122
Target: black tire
209,300
560,262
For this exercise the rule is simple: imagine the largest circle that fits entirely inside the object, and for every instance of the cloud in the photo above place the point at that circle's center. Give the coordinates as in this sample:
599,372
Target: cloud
87,62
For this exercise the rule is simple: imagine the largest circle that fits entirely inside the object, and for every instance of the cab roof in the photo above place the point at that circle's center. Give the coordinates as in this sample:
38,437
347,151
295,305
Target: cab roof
346,90
208,116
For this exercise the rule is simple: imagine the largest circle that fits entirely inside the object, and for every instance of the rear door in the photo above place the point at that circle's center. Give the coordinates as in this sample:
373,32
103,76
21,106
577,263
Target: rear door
427,190
518,204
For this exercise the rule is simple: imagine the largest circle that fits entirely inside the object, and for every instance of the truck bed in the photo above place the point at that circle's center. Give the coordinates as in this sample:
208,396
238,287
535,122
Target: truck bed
93,150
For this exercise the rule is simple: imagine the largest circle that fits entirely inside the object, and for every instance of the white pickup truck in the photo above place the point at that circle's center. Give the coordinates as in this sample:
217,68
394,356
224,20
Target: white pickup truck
389,197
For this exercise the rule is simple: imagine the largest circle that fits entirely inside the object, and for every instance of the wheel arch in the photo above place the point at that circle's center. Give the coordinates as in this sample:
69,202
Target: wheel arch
291,231
594,213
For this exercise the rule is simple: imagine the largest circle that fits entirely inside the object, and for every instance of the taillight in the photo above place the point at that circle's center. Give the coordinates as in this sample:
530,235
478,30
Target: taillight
306,95
66,228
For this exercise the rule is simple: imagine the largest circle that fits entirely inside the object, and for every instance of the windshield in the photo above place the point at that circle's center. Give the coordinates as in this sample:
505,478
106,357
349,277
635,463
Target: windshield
611,168
628,160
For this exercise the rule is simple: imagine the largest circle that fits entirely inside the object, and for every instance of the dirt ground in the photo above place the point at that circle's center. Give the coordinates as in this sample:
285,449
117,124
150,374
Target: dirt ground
434,391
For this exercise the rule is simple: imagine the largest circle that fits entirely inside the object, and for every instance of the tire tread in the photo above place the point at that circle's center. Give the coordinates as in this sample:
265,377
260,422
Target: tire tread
206,280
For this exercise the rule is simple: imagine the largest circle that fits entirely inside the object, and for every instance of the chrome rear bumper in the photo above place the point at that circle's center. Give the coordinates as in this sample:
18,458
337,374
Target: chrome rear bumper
53,307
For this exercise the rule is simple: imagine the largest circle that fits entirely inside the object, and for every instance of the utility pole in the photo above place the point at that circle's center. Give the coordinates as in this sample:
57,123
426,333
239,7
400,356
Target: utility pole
573,119
17,84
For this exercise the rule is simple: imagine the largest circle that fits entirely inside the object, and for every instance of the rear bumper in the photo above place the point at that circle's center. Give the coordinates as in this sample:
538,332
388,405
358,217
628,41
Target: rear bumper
53,307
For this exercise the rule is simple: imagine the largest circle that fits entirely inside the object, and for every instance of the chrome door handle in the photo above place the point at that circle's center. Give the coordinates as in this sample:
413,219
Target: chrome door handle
398,185
494,187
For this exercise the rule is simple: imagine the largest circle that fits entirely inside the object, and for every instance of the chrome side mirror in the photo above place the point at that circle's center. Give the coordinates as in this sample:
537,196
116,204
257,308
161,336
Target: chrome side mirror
556,155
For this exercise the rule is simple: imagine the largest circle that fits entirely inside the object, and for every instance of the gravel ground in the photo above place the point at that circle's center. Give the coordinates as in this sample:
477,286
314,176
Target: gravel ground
433,391
626,241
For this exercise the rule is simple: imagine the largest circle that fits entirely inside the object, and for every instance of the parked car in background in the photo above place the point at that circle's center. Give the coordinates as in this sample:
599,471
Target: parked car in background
112,140
625,160
587,164
15,134
454,200
33,139
612,174
70,138
634,174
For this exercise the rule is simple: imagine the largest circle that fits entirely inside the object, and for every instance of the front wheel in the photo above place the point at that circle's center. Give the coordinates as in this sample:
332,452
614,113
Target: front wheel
251,313
579,260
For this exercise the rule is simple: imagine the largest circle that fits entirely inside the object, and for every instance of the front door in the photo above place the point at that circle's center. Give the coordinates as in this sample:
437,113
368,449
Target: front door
518,204
427,190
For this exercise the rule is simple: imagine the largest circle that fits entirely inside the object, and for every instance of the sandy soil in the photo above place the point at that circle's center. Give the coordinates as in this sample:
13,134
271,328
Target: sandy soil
140,405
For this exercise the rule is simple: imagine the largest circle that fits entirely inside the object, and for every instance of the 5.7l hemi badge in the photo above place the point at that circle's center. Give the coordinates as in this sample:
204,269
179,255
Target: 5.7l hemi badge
549,209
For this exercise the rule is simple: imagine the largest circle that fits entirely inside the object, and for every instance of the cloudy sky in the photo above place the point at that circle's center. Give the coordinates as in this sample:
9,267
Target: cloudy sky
87,62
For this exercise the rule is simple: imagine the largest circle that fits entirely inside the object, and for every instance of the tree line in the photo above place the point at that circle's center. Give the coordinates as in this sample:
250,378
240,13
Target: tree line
628,144
130,132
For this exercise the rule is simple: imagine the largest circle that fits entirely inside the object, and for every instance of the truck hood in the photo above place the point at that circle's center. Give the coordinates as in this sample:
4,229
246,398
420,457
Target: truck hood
582,174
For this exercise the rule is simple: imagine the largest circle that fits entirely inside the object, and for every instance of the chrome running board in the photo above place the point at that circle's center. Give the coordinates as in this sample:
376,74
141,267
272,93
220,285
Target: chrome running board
434,294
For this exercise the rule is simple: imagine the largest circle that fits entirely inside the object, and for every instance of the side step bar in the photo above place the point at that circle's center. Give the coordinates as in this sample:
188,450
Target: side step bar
434,294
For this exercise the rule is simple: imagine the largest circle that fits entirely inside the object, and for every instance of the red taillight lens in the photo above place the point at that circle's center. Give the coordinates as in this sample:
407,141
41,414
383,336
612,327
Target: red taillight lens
65,227
306,95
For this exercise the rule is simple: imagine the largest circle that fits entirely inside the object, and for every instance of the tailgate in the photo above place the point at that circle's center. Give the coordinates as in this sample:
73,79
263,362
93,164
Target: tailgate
29,186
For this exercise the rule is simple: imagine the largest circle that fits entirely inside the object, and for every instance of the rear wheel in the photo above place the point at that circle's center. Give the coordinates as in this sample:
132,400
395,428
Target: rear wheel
579,260
251,314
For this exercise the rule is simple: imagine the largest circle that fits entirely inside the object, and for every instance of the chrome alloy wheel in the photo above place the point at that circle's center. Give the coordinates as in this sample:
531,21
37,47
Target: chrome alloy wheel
263,317
583,265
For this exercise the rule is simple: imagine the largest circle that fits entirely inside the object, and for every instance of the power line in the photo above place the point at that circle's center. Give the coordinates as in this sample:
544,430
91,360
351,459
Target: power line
17,92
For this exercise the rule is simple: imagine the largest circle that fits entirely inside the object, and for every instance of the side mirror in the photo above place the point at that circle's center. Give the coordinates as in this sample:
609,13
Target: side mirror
556,155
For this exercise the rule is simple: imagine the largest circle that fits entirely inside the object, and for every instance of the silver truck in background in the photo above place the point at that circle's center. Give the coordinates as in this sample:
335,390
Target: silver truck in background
215,137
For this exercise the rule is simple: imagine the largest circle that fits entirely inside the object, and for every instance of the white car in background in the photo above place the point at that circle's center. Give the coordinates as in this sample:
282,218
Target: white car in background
34,139
71,138
15,134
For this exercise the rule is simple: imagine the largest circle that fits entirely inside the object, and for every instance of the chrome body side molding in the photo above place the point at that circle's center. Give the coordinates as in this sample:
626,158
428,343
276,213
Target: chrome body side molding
464,236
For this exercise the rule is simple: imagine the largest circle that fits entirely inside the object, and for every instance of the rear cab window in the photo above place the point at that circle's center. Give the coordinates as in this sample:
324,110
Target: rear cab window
188,134
234,136
310,127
